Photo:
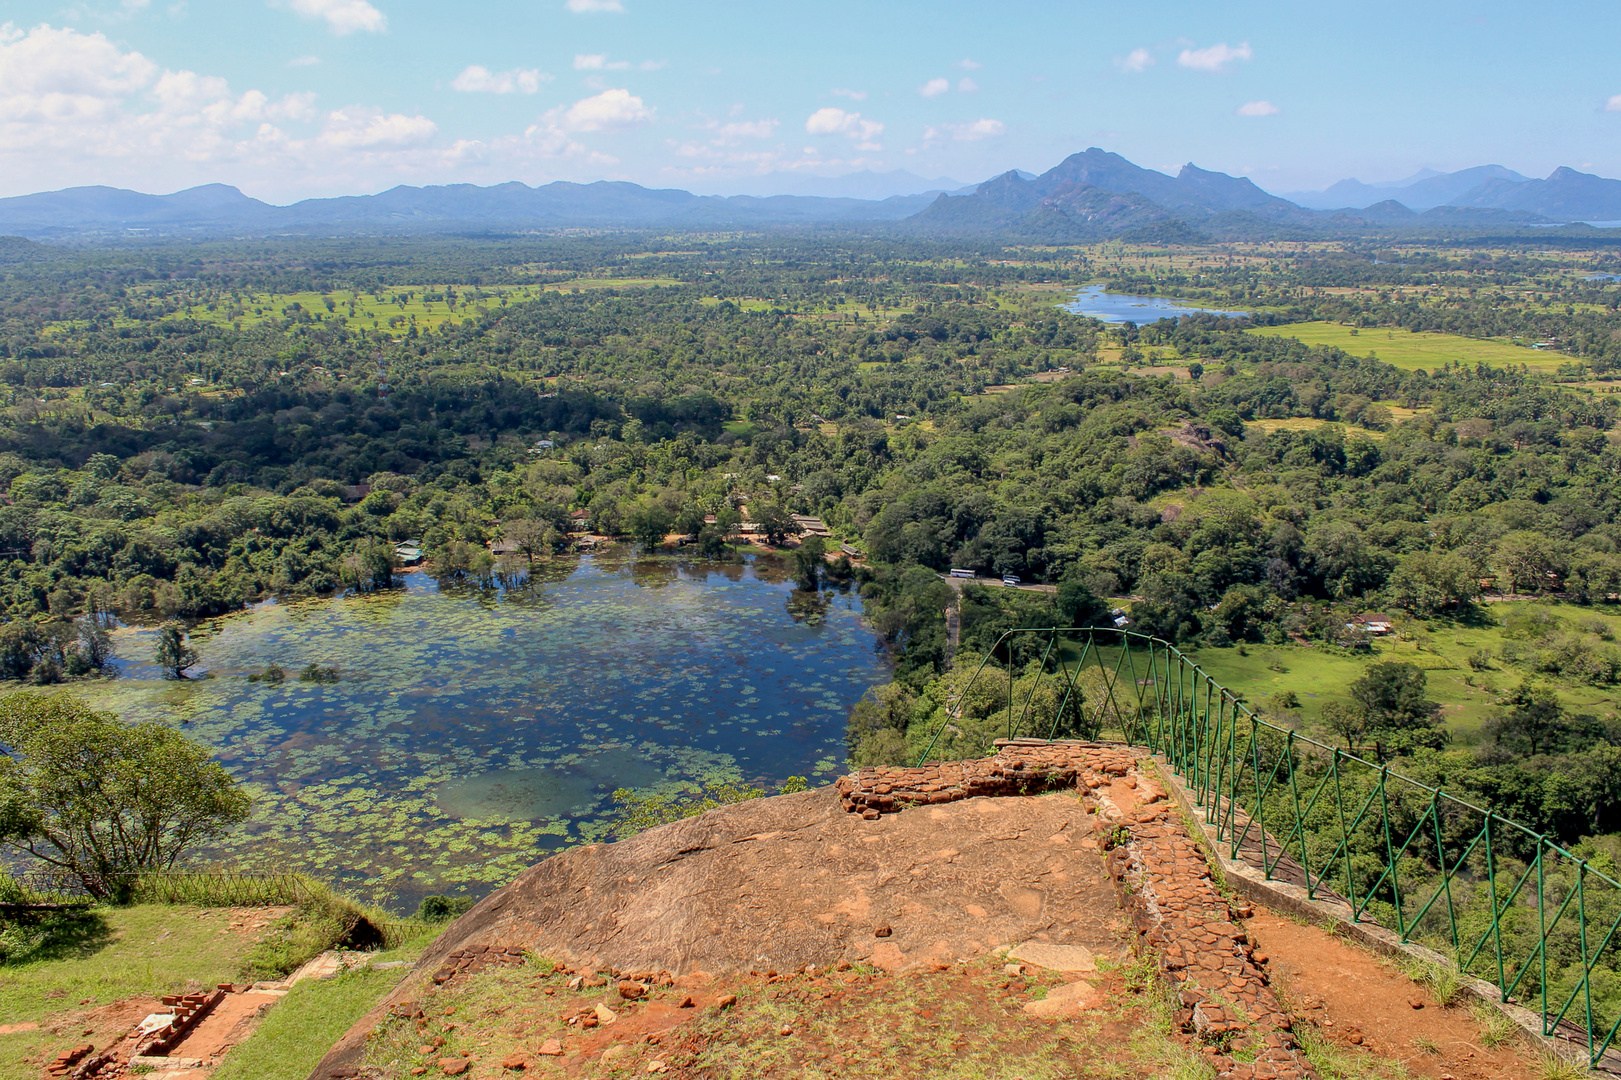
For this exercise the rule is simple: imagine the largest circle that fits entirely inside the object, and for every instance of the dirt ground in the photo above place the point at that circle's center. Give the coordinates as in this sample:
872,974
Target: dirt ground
231,1021
1359,1000
105,1025
966,1021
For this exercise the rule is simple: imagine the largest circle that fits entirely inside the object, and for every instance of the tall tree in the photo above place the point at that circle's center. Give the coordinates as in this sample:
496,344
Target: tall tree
809,562
173,655
84,792
1400,718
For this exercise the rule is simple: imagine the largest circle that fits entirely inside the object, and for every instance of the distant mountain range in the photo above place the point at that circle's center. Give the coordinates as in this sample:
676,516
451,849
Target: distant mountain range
217,208
1566,195
1089,195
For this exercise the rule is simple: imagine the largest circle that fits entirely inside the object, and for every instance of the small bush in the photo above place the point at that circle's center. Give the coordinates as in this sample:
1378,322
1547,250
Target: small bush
324,919
315,673
271,674
1598,628
435,909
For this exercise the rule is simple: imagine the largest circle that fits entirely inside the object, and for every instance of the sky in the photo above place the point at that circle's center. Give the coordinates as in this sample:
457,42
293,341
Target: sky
291,99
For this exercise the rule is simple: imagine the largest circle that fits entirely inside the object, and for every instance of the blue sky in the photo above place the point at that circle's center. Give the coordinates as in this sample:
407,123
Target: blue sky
295,98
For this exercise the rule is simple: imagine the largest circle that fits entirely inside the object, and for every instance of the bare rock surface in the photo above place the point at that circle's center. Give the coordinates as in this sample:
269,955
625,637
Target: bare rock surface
780,883
775,884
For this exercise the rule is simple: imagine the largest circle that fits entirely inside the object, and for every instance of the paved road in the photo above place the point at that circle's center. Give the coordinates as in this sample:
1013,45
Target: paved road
957,583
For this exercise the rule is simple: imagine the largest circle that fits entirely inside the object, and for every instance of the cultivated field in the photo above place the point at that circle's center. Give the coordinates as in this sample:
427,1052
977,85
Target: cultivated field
1410,351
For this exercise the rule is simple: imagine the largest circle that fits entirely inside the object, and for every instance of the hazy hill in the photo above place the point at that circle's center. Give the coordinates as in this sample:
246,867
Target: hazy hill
218,207
74,208
1566,195
1418,192
1086,196
1097,193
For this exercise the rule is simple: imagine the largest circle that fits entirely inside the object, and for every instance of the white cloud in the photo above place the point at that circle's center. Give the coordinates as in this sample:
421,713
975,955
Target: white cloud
831,121
587,7
966,85
343,16
76,108
1216,58
972,131
1614,104
63,74
600,62
1136,61
304,61
1258,108
934,87
969,65
853,95
477,79
360,126
746,129
611,110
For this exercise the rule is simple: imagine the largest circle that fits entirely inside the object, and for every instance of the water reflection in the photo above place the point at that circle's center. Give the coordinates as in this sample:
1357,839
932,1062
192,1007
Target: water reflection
1123,307
473,727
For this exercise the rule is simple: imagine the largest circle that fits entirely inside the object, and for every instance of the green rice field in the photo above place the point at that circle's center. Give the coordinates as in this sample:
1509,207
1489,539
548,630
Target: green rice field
1410,351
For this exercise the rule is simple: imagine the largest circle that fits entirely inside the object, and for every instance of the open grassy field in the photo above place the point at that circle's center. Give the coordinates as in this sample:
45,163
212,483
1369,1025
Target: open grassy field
396,307
1308,423
1467,696
1410,351
106,955
100,969
585,284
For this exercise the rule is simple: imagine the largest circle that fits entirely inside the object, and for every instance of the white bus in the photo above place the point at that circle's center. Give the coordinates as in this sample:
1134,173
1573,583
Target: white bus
963,573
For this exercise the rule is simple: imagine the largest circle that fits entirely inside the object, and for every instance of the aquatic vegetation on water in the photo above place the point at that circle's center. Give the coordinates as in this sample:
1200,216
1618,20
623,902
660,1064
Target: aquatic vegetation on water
471,731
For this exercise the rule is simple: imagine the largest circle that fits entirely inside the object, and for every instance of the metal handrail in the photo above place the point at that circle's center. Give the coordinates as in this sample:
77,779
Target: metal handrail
1520,911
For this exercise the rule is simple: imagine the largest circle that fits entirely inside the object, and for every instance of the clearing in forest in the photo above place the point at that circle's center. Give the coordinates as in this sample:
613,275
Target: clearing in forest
1411,351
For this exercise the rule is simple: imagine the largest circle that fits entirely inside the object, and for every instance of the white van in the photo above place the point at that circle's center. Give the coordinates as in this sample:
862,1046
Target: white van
1010,579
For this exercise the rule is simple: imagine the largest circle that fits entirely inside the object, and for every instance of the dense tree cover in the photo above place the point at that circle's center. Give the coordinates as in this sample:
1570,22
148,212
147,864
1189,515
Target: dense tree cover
180,467
161,460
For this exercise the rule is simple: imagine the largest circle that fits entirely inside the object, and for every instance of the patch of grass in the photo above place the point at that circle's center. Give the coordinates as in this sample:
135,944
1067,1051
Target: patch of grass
1308,423
1550,1067
115,953
1337,1063
1444,983
103,955
394,307
296,1033
1410,351
1427,1045
1467,695
323,920
1495,1028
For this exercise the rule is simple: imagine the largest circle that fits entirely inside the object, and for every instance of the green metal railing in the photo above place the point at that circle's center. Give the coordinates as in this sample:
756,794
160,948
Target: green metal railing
1506,903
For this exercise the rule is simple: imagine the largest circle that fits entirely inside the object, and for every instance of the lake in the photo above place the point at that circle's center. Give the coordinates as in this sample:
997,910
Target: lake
472,731
1122,307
